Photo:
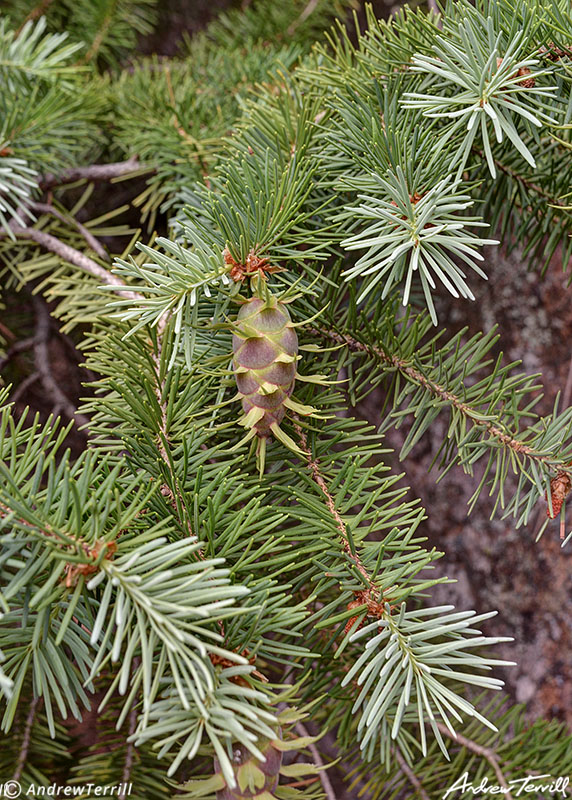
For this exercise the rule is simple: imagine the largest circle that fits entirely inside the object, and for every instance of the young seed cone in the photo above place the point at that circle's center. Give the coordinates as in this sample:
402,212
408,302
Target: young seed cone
265,347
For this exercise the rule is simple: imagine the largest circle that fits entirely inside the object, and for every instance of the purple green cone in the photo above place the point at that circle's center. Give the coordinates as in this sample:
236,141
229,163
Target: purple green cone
265,347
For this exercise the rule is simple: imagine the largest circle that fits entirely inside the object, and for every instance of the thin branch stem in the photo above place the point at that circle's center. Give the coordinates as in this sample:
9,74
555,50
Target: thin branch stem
43,368
92,172
530,186
46,208
410,775
36,12
23,386
325,780
567,396
163,436
479,750
26,739
17,347
318,478
181,131
130,753
306,11
73,256
99,38
432,6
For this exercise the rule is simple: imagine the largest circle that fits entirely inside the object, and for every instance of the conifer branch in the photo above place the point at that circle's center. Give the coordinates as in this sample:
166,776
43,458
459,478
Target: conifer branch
181,130
36,12
18,347
567,394
302,538
130,752
24,385
158,388
306,11
162,437
414,375
101,34
528,185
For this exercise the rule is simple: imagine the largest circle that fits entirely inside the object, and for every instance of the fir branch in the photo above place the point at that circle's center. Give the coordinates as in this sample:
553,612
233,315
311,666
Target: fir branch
194,143
306,11
18,347
36,12
406,368
130,752
530,186
567,395
101,34
163,436
24,385
158,388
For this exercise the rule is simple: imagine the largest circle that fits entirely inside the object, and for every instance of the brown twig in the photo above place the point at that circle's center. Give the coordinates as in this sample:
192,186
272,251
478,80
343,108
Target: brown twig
99,38
73,256
324,778
309,8
340,524
36,12
567,395
181,130
25,384
91,172
372,596
6,332
158,388
17,347
42,362
410,775
130,754
23,757
479,750
529,185
46,208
